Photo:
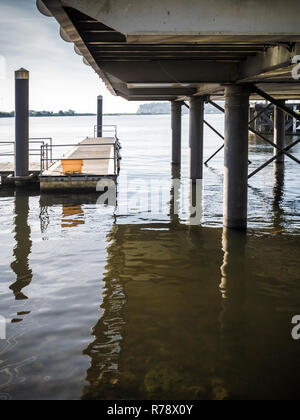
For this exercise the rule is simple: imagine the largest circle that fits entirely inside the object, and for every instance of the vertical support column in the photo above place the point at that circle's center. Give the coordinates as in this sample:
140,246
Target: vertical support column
236,157
22,123
100,117
295,109
251,116
279,131
196,137
176,132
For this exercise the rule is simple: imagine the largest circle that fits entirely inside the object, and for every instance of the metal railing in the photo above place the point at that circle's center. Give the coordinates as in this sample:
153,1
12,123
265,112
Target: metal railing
45,152
107,129
6,144
43,141
45,159
46,142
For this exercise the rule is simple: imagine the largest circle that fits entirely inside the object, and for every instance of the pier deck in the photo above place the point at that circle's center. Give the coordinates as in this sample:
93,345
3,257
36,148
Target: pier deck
8,168
97,155
100,160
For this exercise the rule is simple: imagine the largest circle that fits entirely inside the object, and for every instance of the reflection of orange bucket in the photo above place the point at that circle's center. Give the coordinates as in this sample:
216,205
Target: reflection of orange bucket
72,166
72,216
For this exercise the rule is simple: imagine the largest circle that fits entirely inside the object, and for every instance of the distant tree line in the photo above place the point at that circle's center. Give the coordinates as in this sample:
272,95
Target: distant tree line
164,108
7,114
32,113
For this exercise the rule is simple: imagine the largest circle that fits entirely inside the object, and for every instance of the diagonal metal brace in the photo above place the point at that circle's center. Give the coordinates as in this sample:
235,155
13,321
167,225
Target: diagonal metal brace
216,106
277,103
286,149
281,151
222,147
217,133
274,145
215,154
261,113
213,129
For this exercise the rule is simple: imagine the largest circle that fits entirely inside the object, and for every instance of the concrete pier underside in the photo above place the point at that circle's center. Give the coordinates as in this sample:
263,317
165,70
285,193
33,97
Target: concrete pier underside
173,51
164,50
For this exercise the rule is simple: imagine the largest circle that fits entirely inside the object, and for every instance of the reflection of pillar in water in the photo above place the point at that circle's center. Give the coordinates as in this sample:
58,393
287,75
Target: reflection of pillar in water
22,250
278,192
104,374
195,200
175,195
233,268
232,316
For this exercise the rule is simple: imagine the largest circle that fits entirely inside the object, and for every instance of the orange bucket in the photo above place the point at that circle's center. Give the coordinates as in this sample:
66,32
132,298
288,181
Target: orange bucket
72,166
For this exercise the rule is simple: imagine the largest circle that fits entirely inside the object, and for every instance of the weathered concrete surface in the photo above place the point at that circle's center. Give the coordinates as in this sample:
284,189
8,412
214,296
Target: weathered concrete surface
71,183
195,17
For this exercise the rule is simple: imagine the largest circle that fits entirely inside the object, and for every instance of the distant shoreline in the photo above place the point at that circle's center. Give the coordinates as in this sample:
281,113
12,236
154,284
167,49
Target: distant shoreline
8,115
94,115
79,115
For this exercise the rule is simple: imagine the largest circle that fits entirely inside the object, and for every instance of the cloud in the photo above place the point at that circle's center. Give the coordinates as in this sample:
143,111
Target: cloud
58,78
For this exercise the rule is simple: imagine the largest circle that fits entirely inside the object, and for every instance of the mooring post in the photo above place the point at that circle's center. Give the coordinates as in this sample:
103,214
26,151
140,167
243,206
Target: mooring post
176,110
22,123
100,116
236,157
196,137
279,131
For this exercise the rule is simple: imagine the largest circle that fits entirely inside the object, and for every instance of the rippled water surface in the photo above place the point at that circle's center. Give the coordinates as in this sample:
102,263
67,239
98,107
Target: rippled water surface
106,303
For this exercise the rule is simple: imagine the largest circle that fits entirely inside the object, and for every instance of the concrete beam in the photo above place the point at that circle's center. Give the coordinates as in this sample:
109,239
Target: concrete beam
163,91
274,63
273,18
279,90
185,71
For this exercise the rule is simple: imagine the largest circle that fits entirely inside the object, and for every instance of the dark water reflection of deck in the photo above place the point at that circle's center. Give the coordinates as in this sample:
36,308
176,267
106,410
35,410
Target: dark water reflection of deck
139,311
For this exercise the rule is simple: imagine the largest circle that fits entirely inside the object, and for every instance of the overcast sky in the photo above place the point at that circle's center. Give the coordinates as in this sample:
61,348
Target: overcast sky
58,78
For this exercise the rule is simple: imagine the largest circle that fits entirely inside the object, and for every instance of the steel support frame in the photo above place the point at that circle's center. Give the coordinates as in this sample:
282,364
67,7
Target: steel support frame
281,151
275,157
220,135
213,129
